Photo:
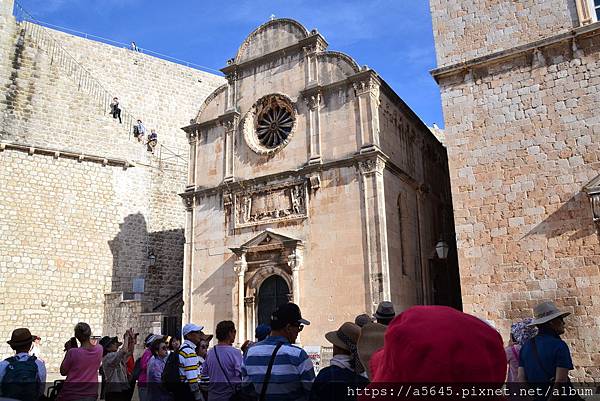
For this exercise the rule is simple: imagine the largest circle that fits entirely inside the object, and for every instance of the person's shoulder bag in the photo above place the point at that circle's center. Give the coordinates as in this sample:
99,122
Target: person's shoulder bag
245,394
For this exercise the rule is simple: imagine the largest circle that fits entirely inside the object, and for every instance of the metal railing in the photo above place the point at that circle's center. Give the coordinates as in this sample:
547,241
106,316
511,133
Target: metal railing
116,43
166,155
85,81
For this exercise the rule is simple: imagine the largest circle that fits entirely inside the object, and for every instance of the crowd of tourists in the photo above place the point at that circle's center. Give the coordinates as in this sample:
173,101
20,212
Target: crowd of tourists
139,129
372,356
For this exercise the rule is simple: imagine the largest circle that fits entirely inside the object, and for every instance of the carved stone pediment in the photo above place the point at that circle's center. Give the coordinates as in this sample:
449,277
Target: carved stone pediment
270,204
265,241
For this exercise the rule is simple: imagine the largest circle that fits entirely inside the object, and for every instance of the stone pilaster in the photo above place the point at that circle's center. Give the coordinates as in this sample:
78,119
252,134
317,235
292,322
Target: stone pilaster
314,101
193,133
231,97
375,229
230,122
367,96
188,257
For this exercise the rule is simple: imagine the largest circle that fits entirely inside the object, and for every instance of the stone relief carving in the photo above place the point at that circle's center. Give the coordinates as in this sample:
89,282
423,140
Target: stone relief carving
375,165
270,205
365,87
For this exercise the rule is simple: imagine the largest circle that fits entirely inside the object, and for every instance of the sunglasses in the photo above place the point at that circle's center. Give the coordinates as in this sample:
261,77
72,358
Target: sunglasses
299,326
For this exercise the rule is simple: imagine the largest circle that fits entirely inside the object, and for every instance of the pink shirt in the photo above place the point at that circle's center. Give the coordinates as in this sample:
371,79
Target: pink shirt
143,379
81,365
512,357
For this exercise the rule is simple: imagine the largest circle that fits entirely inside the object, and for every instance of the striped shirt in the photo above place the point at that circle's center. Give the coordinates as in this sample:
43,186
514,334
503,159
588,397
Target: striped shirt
292,374
189,366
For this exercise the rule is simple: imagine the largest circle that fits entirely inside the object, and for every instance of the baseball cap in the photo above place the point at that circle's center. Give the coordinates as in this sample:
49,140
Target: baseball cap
262,331
190,328
150,339
287,314
107,340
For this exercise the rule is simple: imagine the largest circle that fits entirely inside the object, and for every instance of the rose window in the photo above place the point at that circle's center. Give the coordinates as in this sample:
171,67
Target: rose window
274,126
270,123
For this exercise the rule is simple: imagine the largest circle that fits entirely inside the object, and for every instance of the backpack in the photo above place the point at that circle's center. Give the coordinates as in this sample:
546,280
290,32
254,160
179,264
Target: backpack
137,369
170,375
21,379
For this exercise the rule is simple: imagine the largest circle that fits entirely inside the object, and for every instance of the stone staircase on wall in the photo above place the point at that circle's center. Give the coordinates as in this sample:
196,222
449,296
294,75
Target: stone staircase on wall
33,35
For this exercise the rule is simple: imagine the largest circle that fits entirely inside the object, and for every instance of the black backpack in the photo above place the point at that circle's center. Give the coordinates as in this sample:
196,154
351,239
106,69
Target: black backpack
21,379
170,375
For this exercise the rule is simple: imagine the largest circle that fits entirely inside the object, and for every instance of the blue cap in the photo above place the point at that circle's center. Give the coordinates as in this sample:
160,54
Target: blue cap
262,331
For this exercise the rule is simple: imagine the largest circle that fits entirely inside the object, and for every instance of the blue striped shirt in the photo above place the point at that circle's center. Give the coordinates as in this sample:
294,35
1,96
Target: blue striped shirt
292,374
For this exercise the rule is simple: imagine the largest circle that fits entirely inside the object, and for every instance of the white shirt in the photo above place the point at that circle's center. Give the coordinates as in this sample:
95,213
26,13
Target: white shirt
22,356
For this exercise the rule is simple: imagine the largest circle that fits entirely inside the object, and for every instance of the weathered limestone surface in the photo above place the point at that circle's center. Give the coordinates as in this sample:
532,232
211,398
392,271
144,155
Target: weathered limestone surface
522,137
479,27
75,233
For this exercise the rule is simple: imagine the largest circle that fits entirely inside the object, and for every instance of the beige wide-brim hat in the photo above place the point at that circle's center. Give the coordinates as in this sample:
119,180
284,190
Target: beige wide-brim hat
545,312
345,337
371,339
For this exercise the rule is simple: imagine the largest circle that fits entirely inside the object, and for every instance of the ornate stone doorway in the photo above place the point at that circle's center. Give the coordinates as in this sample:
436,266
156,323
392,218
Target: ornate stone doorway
273,292
268,271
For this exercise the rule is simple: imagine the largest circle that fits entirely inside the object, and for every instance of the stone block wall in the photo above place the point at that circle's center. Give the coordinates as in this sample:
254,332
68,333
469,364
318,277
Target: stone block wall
522,141
479,27
76,232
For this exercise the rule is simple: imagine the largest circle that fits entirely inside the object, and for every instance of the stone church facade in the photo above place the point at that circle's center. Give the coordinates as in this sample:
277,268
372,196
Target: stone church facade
520,85
310,180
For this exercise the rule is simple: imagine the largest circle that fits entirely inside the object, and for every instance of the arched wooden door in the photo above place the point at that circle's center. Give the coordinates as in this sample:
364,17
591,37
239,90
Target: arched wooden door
273,292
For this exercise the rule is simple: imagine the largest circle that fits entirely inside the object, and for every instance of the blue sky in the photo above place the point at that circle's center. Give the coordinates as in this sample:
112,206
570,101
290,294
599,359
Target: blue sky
394,37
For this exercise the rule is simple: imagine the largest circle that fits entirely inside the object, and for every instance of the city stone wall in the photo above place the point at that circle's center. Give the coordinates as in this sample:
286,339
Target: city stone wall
479,27
77,230
522,141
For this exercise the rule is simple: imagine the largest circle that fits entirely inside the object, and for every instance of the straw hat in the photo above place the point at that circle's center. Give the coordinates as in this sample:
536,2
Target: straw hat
370,340
545,312
345,337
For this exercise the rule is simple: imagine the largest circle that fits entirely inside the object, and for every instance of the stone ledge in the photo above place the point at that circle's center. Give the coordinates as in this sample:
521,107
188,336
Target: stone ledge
64,153
504,55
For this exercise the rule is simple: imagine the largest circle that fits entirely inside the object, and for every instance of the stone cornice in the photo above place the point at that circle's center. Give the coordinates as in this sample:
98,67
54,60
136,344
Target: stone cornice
505,55
304,171
68,154
315,40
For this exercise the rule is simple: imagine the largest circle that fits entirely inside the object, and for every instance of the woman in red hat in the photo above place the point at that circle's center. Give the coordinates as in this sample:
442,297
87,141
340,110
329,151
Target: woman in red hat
437,346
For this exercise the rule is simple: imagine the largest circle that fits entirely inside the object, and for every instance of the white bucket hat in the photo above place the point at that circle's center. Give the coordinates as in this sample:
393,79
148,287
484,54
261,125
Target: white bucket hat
545,312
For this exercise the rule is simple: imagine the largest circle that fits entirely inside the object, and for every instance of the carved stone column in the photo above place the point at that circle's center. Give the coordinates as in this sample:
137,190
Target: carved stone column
250,320
367,96
313,101
240,266
188,257
295,263
375,229
230,122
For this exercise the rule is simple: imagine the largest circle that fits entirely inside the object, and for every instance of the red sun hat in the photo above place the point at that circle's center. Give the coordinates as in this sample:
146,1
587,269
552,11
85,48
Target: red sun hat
438,344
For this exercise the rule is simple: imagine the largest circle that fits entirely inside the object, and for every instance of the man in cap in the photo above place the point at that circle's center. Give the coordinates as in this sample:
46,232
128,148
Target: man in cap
261,332
546,359
114,365
292,370
189,365
385,313
22,376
